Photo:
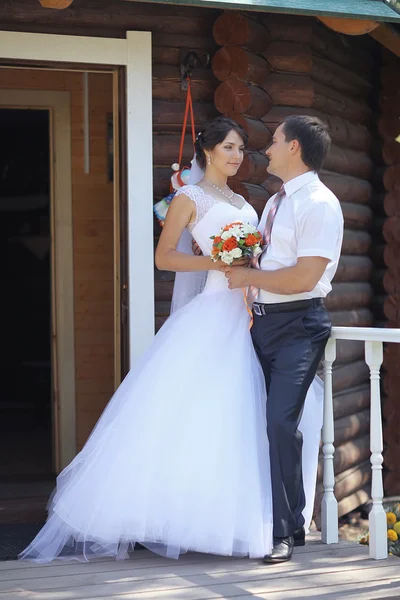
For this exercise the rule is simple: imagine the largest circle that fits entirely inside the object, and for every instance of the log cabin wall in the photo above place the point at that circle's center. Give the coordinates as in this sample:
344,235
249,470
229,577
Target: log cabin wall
271,66
389,129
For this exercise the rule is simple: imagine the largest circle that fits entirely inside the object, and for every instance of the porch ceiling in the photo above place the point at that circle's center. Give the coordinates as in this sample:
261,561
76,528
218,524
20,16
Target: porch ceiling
377,10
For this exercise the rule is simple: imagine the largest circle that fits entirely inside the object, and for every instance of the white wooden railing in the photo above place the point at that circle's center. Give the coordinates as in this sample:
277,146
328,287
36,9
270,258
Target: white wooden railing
373,340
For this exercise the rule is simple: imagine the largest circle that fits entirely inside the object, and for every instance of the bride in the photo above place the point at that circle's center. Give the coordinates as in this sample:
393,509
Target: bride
179,460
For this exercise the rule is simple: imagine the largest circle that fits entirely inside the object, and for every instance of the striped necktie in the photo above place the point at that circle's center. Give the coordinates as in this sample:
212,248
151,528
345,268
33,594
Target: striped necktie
252,291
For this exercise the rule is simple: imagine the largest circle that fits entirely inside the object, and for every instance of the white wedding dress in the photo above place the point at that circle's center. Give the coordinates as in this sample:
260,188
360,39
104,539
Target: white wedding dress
179,458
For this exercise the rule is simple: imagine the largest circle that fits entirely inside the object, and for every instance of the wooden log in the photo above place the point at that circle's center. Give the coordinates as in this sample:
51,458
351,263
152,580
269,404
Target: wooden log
377,280
168,116
290,90
353,268
170,89
391,359
163,290
236,29
328,100
391,152
391,307
349,26
259,134
348,454
356,242
161,181
348,162
348,481
346,187
391,178
110,15
391,203
346,505
389,102
389,76
343,133
287,27
339,78
389,126
391,385
391,280
253,168
289,57
233,61
391,256
351,401
183,40
339,49
356,216
391,230
166,149
377,304
348,296
392,484
361,317
351,427
376,254
349,375
239,96
272,184
255,194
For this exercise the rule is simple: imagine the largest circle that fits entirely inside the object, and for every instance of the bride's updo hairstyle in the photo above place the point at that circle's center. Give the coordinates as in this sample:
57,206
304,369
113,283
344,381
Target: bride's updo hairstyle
214,133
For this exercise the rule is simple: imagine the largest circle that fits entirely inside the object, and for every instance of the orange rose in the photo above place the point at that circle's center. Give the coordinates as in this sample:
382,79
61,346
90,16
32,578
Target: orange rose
230,244
251,240
217,240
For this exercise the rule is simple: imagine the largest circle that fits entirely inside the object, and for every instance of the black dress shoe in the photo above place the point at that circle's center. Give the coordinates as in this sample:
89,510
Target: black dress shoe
282,550
299,537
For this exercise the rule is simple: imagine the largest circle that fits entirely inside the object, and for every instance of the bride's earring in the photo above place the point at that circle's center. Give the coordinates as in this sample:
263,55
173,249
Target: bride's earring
208,159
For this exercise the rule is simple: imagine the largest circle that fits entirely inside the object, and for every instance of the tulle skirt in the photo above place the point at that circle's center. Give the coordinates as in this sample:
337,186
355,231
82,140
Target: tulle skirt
179,459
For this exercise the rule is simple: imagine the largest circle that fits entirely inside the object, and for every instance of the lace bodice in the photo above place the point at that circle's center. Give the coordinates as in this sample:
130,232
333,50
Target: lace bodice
204,202
211,216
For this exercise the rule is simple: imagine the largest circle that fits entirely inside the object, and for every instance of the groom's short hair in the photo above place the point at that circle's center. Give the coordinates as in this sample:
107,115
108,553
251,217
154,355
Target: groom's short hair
313,137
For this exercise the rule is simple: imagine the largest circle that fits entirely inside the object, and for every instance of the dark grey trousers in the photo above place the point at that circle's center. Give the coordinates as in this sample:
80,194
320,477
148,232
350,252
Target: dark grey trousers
289,346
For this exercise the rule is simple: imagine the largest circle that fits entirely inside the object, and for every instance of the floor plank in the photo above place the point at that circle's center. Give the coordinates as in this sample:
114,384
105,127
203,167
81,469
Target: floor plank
337,571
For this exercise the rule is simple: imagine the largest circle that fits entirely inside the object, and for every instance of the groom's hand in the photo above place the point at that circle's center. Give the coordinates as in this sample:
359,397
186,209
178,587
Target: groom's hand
237,276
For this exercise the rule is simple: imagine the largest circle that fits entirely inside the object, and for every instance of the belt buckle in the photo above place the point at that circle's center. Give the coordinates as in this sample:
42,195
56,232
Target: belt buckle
257,310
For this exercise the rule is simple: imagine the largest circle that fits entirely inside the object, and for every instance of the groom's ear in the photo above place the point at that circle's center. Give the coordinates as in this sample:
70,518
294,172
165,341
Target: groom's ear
294,146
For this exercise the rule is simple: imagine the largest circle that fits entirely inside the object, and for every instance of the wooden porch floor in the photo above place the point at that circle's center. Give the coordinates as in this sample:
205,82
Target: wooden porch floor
316,571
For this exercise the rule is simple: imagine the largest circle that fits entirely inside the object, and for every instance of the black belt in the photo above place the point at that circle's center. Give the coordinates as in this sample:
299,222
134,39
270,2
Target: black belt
263,309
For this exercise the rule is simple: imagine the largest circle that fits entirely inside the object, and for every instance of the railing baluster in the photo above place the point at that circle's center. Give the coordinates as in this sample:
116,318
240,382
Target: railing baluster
377,517
329,508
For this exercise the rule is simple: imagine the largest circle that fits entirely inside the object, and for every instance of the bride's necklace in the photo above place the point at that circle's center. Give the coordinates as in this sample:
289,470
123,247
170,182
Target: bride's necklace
229,198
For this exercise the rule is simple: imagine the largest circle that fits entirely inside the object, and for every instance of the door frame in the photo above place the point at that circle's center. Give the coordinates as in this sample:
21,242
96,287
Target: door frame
62,301
133,54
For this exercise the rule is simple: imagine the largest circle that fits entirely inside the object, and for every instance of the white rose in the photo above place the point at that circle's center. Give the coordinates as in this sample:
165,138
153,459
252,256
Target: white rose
226,234
237,232
236,253
257,250
248,228
226,258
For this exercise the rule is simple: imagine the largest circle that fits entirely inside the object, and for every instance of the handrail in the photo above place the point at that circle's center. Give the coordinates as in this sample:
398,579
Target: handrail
373,339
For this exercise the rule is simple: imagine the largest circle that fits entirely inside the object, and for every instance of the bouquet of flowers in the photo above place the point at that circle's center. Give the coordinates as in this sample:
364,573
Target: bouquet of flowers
393,529
235,241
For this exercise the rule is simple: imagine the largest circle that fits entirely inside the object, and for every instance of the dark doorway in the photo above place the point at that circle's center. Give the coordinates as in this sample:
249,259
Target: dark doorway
26,461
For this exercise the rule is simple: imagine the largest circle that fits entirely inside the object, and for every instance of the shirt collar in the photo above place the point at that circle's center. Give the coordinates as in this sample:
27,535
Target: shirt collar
293,185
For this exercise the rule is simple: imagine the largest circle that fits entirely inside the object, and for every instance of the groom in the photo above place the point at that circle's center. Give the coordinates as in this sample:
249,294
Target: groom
303,231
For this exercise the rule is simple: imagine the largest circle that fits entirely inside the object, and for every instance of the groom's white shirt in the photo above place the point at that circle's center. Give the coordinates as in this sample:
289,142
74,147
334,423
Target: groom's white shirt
309,222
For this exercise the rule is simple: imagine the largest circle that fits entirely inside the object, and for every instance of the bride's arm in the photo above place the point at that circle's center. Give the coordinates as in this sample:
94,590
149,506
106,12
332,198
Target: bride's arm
181,212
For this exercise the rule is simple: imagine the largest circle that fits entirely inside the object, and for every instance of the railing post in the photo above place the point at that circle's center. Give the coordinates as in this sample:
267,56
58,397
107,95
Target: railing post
329,508
377,517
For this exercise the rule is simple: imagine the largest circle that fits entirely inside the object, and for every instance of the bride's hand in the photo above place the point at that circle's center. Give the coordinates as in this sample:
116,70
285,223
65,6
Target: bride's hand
238,262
